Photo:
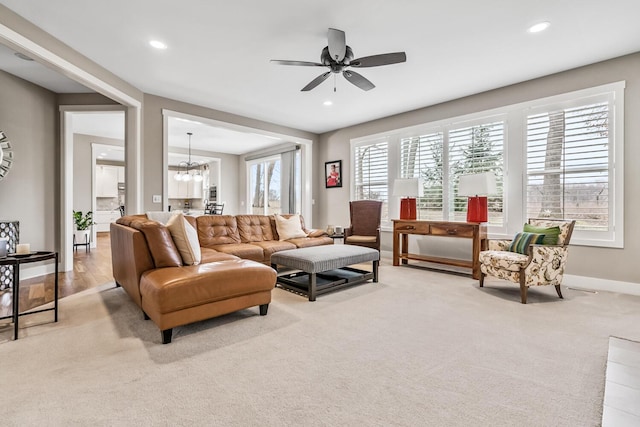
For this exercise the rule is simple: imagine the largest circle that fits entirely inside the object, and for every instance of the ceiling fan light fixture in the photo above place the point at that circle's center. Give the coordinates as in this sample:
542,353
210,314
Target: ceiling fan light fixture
337,56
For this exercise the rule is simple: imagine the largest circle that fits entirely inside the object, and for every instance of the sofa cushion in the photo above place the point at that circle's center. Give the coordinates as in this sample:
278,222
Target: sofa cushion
254,228
289,228
173,289
273,246
307,242
185,238
217,230
211,255
160,243
242,250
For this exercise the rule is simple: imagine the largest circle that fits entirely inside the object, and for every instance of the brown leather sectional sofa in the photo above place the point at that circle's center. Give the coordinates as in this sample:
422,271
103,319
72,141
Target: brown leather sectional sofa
231,276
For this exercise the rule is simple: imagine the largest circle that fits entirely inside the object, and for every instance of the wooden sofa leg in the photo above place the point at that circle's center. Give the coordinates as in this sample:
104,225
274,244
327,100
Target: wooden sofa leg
559,291
166,336
263,309
482,279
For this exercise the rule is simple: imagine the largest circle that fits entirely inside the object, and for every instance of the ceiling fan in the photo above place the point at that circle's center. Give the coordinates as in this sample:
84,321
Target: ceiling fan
339,57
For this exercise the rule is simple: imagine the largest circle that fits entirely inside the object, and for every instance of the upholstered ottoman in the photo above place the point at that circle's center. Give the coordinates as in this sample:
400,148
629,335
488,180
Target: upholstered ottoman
324,268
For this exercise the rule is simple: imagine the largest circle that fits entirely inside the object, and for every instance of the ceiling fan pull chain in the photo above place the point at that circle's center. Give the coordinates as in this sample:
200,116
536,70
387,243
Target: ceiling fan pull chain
334,82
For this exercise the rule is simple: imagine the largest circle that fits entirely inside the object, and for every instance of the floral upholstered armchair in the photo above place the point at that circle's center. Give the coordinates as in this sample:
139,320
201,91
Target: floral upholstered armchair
535,257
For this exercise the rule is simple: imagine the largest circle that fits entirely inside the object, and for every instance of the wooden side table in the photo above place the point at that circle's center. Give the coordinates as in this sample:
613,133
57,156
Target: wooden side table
16,260
474,231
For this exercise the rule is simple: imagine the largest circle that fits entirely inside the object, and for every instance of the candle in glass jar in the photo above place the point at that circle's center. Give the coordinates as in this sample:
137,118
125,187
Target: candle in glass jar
23,248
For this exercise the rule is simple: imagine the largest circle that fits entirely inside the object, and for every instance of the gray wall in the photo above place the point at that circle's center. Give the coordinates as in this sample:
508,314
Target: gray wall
613,264
233,192
28,116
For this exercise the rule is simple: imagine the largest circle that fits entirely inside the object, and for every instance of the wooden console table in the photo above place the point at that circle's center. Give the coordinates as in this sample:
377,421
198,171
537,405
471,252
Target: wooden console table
475,231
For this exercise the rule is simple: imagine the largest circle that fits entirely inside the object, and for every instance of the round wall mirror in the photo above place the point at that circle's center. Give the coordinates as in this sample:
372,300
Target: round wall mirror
6,155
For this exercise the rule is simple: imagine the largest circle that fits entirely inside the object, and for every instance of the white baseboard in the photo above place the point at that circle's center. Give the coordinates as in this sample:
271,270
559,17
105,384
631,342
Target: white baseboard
584,282
596,284
36,271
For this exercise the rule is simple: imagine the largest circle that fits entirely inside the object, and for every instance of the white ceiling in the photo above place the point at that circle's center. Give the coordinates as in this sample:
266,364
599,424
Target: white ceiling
219,52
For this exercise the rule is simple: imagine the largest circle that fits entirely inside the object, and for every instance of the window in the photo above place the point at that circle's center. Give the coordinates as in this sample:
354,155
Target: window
563,159
568,164
371,177
439,158
422,157
265,187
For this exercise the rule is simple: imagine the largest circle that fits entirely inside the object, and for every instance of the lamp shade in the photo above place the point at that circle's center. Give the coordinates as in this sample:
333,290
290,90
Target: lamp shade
478,184
408,187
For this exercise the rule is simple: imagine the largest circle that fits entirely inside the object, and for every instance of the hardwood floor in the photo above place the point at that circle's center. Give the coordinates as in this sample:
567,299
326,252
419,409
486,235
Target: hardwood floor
90,269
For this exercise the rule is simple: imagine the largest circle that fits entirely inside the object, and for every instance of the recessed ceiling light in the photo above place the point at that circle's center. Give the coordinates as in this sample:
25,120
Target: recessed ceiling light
327,103
103,154
541,26
157,44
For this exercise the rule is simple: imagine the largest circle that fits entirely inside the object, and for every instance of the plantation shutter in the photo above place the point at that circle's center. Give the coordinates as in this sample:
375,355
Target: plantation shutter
371,175
421,157
568,165
472,150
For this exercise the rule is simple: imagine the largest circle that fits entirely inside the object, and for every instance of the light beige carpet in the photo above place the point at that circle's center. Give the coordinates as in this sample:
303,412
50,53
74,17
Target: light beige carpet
419,348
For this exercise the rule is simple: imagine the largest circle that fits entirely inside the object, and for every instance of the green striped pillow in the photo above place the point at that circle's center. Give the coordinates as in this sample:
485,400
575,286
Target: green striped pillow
521,242
551,234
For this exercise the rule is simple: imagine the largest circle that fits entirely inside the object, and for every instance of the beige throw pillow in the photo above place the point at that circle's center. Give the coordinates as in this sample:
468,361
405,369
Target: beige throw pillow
185,238
289,228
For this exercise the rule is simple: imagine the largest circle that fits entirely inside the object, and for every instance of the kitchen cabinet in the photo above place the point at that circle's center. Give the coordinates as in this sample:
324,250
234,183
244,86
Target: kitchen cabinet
183,189
106,181
102,219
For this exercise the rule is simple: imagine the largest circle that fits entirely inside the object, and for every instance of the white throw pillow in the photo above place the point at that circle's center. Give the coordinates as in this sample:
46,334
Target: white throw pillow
160,216
289,228
186,239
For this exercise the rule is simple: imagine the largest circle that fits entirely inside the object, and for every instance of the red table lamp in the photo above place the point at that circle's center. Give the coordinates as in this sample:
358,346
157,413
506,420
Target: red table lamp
408,189
476,187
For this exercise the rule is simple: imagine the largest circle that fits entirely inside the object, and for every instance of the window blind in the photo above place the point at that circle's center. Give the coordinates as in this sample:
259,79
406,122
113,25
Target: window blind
476,149
568,165
421,157
371,175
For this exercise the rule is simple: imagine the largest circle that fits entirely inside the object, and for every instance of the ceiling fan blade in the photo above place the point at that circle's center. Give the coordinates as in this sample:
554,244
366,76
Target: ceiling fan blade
302,63
377,60
358,80
337,44
315,82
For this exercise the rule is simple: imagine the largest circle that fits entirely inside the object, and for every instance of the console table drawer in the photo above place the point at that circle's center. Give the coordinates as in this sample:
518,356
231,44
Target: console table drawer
461,230
411,227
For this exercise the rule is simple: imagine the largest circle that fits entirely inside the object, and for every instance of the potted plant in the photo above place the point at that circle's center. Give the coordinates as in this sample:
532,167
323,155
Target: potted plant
82,222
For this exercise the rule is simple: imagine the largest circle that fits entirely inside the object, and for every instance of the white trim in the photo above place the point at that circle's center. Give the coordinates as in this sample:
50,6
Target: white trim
596,284
306,148
133,138
514,150
67,68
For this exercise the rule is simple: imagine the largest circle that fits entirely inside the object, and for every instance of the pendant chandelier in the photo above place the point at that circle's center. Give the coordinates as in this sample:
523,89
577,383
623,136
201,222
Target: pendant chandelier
188,167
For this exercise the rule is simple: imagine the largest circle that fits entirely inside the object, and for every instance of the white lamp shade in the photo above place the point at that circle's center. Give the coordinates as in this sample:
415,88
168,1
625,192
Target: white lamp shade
408,187
478,184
